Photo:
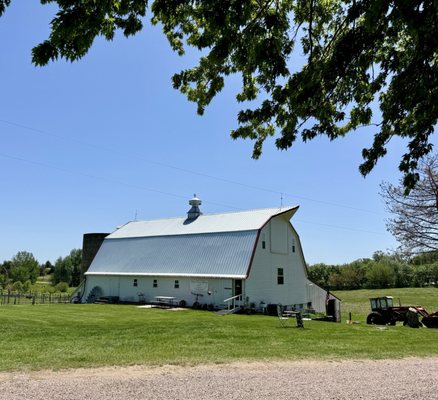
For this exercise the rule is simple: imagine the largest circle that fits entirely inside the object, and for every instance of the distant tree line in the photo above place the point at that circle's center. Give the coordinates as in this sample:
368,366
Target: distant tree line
383,270
22,271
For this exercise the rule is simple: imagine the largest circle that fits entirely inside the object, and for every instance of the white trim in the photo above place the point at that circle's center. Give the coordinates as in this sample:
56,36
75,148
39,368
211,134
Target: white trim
165,274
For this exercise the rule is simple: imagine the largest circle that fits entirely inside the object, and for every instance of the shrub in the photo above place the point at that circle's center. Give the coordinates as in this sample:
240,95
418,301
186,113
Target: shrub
17,286
62,287
27,285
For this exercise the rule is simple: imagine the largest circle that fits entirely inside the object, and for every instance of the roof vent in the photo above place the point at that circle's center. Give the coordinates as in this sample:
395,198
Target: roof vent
194,212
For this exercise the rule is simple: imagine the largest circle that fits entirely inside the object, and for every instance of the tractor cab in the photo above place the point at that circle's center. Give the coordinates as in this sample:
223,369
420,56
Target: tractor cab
381,303
383,311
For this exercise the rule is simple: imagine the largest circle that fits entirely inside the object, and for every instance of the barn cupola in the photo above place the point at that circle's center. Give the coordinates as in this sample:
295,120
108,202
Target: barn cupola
194,212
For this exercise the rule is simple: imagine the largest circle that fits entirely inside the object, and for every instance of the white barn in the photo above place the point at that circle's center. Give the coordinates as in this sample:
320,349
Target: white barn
251,258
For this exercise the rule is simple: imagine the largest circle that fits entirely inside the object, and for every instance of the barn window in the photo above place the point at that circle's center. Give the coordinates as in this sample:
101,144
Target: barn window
280,276
176,284
155,283
263,241
293,245
135,283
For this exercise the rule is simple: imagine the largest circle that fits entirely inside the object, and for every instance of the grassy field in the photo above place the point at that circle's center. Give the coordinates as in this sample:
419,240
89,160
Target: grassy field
357,301
44,285
68,336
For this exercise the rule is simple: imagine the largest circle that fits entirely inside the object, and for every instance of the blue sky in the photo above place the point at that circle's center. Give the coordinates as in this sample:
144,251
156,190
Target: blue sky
88,146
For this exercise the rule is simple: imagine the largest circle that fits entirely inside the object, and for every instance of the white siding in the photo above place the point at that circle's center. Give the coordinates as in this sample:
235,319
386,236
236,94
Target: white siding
123,286
114,285
261,285
282,250
317,296
279,236
93,281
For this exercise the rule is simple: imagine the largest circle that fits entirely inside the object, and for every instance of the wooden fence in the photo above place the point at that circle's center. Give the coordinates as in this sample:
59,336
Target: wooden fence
14,298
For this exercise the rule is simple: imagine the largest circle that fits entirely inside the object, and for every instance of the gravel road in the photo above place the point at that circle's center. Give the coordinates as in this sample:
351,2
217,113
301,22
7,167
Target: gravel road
411,378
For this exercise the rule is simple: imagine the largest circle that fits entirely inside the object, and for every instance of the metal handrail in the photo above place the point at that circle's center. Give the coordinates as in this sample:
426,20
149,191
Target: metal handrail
78,289
234,297
238,297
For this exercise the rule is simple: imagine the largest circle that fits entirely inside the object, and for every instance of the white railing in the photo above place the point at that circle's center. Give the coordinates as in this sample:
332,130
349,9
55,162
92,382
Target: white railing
232,301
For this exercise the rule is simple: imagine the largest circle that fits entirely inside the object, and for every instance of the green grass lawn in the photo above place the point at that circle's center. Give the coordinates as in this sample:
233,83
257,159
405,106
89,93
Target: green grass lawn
67,336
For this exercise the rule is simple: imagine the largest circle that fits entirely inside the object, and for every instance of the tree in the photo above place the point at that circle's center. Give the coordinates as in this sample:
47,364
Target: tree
68,269
6,268
3,280
62,272
76,263
320,274
434,273
415,216
5,274
353,274
380,275
356,53
404,275
24,267
46,268
427,257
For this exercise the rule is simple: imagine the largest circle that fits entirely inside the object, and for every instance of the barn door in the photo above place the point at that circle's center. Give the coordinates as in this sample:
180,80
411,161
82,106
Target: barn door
237,287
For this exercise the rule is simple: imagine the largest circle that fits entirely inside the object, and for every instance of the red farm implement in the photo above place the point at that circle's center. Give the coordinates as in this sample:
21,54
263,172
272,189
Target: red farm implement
383,312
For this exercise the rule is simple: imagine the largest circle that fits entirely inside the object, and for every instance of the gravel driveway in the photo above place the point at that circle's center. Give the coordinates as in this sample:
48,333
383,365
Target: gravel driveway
412,378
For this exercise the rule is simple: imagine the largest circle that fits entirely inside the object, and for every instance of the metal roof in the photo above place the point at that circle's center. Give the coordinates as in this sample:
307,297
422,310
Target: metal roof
220,254
215,245
225,222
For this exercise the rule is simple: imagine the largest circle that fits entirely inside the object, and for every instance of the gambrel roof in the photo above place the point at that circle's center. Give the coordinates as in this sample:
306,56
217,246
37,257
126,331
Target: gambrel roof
216,245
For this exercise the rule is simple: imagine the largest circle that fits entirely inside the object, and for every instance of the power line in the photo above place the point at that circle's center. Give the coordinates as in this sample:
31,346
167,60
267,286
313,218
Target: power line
188,171
118,182
339,227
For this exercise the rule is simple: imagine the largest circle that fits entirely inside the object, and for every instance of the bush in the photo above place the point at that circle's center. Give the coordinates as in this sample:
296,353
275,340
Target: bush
27,285
62,287
17,286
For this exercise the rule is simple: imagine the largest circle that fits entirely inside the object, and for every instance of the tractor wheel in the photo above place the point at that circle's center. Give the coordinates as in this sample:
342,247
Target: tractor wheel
375,319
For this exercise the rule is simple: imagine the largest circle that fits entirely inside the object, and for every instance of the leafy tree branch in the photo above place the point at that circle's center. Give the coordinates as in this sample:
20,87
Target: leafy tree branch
357,53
